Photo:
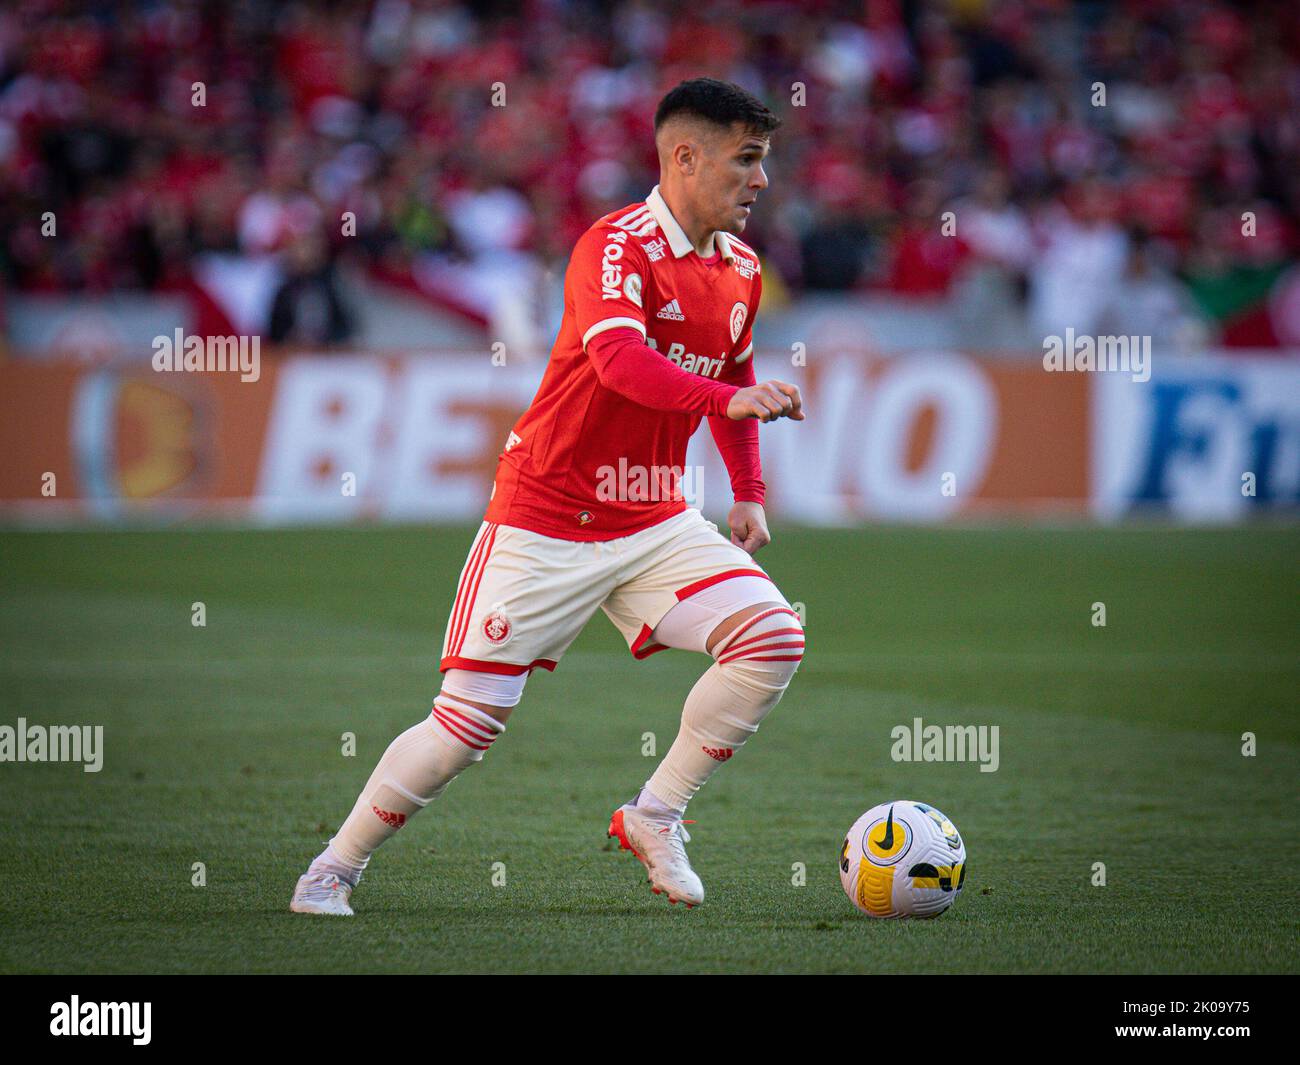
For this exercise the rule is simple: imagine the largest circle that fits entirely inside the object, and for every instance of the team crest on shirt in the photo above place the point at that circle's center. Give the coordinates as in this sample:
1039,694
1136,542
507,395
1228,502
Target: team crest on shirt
738,313
497,628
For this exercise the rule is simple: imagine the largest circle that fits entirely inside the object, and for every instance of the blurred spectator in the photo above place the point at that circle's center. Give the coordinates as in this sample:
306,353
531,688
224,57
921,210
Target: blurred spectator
307,309
1000,243
995,230
1081,264
927,252
1150,301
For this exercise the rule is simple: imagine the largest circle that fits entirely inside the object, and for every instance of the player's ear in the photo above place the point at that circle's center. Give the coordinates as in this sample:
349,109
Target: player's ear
685,156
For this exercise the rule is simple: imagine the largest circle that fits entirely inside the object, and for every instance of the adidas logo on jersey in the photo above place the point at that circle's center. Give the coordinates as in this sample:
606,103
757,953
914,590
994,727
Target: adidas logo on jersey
672,311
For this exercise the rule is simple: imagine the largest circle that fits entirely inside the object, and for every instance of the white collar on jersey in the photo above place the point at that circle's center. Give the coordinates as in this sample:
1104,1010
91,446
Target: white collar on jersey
678,241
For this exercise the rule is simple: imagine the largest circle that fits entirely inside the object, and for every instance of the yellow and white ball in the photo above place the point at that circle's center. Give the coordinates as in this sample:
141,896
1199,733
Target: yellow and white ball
903,859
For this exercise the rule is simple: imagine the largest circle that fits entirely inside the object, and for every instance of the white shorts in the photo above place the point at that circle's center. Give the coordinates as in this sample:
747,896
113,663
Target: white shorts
523,597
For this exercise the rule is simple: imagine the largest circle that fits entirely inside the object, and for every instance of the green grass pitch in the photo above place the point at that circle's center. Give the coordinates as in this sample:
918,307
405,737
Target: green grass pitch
1120,745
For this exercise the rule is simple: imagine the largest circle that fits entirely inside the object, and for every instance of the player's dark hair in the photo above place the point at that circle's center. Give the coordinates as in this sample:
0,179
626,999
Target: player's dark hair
718,102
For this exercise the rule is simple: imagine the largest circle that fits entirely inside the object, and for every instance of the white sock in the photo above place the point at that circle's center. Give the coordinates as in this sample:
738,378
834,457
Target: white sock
753,666
648,801
330,861
415,770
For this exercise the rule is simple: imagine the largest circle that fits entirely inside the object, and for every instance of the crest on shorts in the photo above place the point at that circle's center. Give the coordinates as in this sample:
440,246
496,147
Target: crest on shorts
584,516
497,628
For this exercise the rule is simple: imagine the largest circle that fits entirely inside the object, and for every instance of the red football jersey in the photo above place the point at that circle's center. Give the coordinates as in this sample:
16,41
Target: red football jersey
633,269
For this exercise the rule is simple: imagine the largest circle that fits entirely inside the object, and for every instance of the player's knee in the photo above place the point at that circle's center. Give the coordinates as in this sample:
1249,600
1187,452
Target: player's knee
766,648
465,728
500,714
495,694
472,709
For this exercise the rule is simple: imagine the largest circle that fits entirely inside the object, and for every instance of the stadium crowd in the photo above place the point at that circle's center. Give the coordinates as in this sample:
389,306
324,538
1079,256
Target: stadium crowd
1144,151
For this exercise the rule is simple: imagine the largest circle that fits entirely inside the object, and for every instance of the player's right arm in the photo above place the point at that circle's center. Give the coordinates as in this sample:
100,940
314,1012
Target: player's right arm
625,364
607,274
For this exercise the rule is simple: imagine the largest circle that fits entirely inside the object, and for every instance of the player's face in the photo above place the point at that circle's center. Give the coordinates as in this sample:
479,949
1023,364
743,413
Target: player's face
731,177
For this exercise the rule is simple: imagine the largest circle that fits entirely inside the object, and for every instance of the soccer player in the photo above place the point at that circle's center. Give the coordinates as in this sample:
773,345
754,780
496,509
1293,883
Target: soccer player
586,511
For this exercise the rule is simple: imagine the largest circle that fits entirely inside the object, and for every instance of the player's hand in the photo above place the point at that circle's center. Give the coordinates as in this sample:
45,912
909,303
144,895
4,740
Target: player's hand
748,526
767,402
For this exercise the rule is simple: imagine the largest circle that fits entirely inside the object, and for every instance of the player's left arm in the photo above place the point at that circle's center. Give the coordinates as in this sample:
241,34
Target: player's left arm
737,442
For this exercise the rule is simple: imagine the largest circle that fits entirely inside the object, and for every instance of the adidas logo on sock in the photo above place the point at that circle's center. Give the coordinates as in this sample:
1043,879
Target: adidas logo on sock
718,754
388,817
672,311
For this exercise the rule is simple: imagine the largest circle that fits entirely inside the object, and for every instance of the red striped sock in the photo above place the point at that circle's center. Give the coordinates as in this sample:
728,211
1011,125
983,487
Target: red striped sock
460,723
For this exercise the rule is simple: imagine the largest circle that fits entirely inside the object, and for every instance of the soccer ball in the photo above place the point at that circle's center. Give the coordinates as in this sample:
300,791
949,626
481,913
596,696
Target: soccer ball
903,859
